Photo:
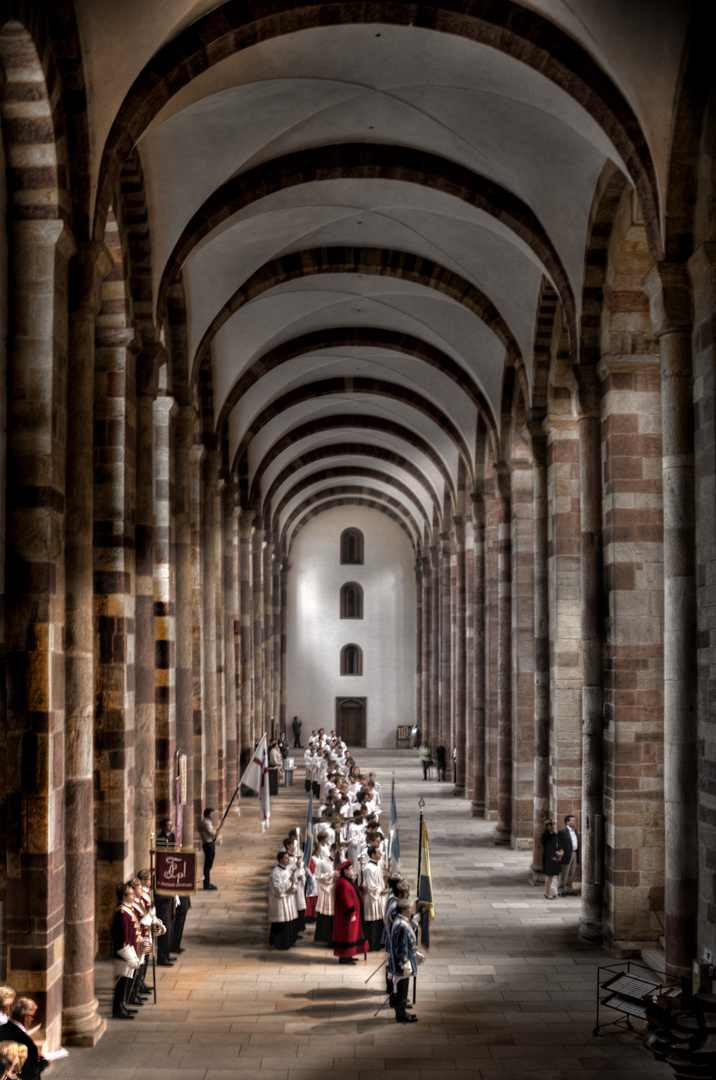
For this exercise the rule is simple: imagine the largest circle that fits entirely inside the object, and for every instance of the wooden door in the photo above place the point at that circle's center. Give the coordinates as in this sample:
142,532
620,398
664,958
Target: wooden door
350,720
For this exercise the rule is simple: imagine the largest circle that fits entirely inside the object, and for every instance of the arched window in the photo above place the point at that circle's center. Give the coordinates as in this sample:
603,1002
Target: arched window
351,601
351,660
352,546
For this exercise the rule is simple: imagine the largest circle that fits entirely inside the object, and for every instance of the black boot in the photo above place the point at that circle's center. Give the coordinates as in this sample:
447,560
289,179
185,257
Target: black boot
125,998
119,1012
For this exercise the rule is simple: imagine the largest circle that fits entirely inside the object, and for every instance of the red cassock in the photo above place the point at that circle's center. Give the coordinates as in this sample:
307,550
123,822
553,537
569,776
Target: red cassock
348,933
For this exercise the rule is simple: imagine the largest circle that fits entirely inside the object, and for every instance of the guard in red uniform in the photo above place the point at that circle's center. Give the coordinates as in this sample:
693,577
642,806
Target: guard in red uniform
348,933
126,959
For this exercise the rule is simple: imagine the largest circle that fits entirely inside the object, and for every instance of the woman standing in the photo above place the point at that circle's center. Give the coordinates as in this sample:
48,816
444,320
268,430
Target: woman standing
348,934
551,858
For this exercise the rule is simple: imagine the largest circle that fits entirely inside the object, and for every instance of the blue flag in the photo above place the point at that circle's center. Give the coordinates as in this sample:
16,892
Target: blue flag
394,837
425,890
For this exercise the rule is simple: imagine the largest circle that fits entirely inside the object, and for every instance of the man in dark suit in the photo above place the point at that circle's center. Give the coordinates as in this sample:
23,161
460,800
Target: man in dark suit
164,905
568,841
22,1020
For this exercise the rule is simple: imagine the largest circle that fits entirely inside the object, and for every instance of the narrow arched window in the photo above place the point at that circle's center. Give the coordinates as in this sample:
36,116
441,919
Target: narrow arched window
351,660
352,546
351,601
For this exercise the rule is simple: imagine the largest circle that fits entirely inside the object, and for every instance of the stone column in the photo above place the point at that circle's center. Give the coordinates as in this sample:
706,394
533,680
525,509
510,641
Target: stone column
419,635
144,809
478,807
184,424
279,599
469,652
503,832
434,716
164,622
426,643
220,648
81,1024
445,651
267,632
541,647
669,290
196,457
592,601
257,593
209,480
460,654
228,530
245,607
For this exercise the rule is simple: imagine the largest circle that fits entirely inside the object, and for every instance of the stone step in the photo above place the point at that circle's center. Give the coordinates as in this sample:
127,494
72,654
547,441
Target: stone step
655,959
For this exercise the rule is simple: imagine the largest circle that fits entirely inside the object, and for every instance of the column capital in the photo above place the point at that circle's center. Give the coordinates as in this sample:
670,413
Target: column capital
668,287
503,472
149,360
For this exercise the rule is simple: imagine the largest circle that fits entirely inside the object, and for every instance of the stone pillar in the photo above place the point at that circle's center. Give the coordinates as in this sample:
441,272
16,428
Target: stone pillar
592,601
114,591
164,621
469,652
702,269
478,699
445,651
228,532
503,833
283,600
257,593
460,654
184,424
425,640
220,648
196,457
669,290
144,807
81,1024
434,714
267,631
492,635
541,646
209,480
246,645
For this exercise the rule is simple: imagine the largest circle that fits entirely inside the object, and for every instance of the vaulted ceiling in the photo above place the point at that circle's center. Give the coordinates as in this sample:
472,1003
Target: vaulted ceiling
362,202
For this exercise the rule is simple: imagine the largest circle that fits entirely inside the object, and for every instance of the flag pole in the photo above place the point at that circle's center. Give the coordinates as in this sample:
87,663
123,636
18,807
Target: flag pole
421,804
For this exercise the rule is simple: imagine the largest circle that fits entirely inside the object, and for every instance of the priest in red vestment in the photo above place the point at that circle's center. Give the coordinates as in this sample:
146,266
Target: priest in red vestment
348,933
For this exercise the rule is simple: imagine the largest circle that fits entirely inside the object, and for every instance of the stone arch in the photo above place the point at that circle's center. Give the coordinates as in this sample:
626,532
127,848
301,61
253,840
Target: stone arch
327,387
349,472
505,26
132,199
345,500
344,337
332,423
333,450
379,262
36,190
369,161
547,323
358,491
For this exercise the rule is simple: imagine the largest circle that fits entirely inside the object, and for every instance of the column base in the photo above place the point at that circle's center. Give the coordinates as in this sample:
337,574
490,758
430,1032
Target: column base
459,791
502,838
590,931
82,1025
536,876
477,809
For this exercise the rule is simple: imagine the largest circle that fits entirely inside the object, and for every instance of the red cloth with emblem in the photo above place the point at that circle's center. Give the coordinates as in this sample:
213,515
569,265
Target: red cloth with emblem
348,933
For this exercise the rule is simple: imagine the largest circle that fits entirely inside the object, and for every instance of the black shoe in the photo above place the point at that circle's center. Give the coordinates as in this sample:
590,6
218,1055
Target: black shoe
346,960
122,1016
407,1019
179,950
162,962
210,888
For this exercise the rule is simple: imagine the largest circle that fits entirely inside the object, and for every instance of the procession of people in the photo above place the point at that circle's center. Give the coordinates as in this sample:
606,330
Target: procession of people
344,884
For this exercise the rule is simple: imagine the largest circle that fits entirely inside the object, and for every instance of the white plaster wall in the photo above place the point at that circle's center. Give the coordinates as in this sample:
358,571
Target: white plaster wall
315,633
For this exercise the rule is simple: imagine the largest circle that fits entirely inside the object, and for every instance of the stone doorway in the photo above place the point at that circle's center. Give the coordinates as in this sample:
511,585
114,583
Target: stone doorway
351,720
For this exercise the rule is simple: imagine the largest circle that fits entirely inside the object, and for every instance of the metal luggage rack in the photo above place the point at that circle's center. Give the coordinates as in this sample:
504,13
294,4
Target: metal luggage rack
626,992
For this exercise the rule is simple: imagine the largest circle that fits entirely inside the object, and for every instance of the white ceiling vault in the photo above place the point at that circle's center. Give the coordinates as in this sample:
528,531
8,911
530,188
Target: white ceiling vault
362,202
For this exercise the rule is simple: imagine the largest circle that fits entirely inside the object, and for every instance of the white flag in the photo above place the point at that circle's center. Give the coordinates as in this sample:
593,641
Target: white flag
265,800
254,770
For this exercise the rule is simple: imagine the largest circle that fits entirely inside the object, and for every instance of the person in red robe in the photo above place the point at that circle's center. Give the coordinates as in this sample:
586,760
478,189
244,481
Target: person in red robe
348,933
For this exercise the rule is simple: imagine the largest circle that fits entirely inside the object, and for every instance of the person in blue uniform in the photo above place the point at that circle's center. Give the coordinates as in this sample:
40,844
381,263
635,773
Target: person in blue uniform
403,960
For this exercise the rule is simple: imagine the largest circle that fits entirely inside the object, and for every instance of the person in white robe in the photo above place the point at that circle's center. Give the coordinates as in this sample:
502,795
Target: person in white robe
283,914
375,893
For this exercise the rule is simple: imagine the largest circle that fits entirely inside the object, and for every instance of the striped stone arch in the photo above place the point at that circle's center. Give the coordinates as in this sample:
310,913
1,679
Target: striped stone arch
131,200
333,423
36,171
328,387
361,490
347,500
371,262
545,323
333,450
508,27
348,472
369,161
356,337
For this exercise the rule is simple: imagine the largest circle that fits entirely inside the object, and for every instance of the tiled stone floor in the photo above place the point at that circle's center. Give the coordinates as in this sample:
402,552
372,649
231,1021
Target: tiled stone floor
507,990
